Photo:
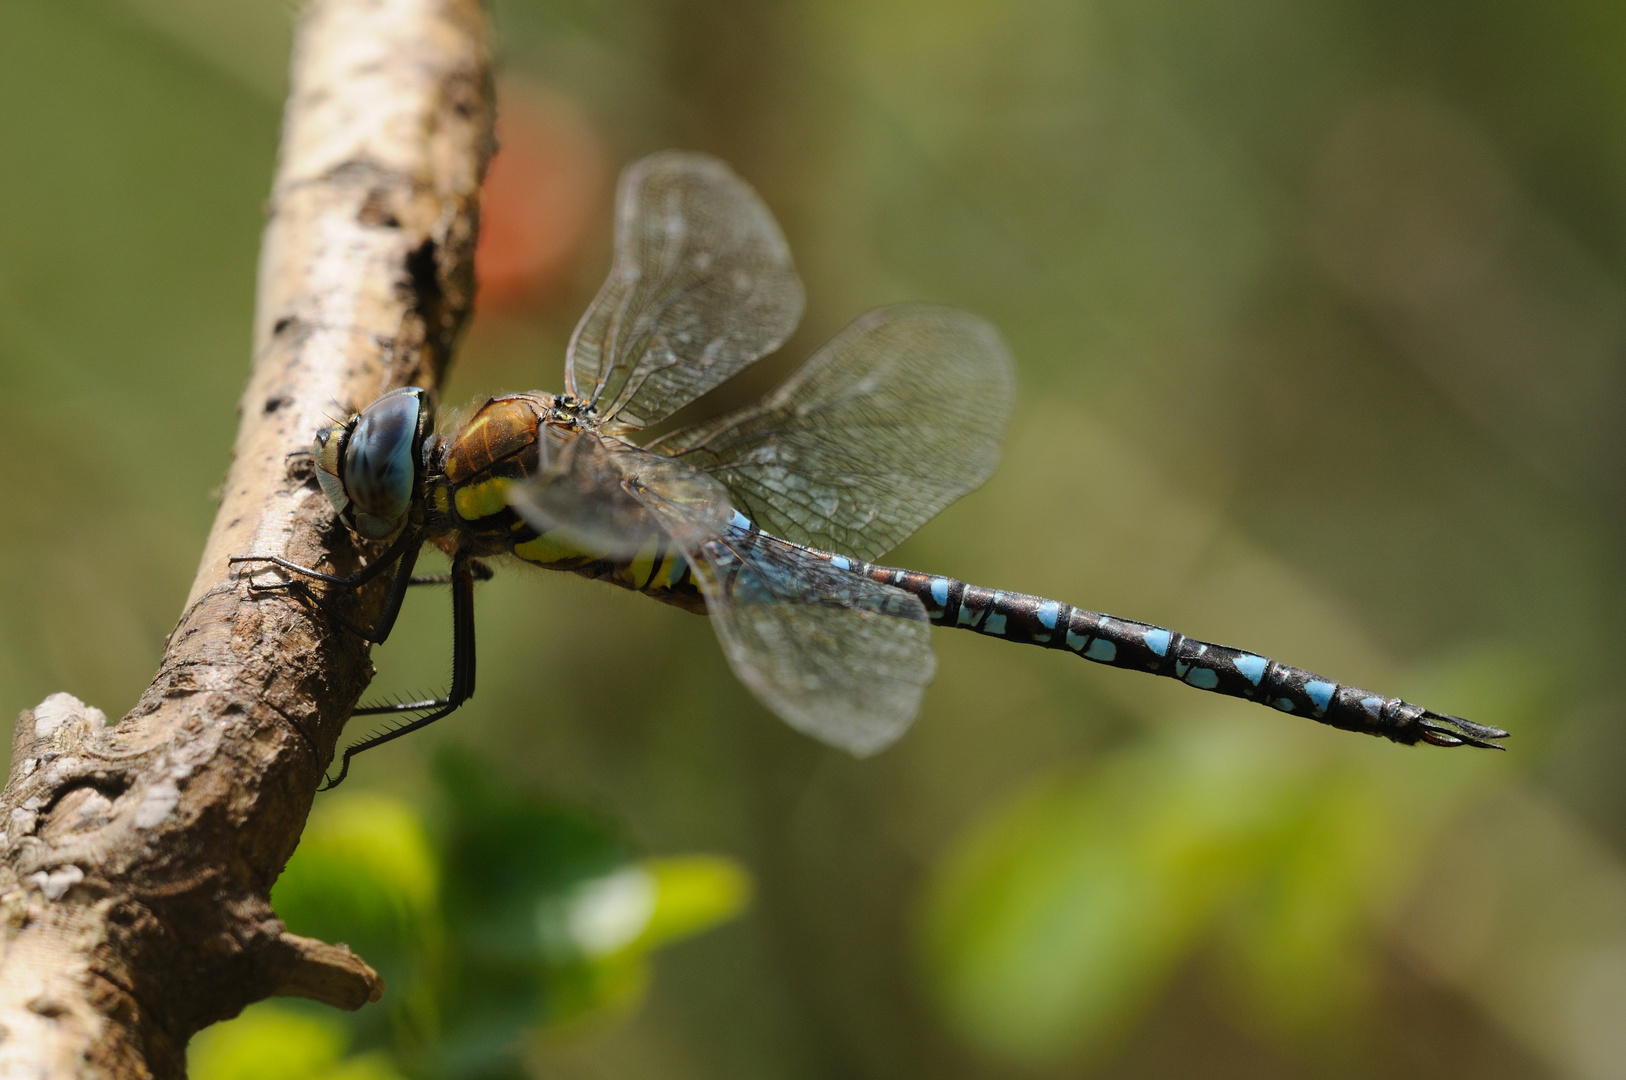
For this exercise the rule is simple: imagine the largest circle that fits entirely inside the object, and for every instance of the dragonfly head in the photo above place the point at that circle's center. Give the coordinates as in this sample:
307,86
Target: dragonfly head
368,466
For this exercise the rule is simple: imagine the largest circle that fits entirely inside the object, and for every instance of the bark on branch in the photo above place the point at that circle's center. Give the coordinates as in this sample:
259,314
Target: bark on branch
136,860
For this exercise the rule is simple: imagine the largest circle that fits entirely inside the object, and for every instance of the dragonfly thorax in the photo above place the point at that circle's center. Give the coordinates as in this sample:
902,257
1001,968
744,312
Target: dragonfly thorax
569,407
472,470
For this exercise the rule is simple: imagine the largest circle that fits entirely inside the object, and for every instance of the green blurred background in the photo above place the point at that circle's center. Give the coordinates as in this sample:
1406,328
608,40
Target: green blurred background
1319,311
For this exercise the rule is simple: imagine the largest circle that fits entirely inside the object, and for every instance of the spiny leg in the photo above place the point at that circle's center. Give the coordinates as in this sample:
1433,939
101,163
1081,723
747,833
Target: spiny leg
349,581
481,572
403,553
1204,665
463,576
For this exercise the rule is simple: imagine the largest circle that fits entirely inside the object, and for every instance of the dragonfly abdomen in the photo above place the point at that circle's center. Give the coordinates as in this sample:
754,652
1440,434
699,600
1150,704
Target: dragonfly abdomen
1220,669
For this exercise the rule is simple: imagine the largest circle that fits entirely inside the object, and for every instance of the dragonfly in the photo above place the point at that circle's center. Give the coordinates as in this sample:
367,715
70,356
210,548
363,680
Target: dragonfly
766,519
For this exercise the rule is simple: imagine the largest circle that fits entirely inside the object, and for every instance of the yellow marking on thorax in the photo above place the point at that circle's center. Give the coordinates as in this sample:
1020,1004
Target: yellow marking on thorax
488,497
443,501
547,549
477,430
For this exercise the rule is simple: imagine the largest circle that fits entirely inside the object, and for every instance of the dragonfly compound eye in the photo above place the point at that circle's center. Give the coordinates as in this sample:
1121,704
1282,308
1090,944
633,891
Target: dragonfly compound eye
379,462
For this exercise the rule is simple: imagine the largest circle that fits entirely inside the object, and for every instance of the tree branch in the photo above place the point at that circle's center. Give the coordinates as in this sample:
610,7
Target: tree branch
136,861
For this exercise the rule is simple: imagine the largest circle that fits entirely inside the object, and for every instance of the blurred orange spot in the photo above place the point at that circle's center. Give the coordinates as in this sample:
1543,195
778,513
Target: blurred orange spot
542,195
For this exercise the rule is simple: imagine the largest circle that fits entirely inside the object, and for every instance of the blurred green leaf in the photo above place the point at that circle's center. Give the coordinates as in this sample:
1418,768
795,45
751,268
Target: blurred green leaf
274,1042
549,919
365,859
549,923
268,1042
366,873
644,905
1298,941
1059,917
693,893
601,932
1056,920
599,917
588,990
373,1066
505,849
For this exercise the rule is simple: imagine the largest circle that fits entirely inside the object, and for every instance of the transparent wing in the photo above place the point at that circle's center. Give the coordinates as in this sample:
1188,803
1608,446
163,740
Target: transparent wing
896,417
606,497
701,287
838,656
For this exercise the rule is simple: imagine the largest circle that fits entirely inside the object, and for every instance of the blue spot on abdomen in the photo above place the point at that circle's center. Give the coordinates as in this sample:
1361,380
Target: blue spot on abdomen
1102,651
1158,640
1202,678
1048,612
1251,666
1320,693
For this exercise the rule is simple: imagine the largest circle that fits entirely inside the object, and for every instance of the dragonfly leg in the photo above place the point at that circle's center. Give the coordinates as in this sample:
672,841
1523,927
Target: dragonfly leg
463,576
481,571
329,608
404,560
348,581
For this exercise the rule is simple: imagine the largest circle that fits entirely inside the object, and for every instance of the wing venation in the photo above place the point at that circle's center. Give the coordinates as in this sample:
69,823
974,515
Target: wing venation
702,286
897,416
839,656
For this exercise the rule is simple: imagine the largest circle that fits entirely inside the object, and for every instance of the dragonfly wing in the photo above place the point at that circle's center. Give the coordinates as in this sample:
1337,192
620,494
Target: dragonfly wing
840,657
701,287
897,416
605,497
